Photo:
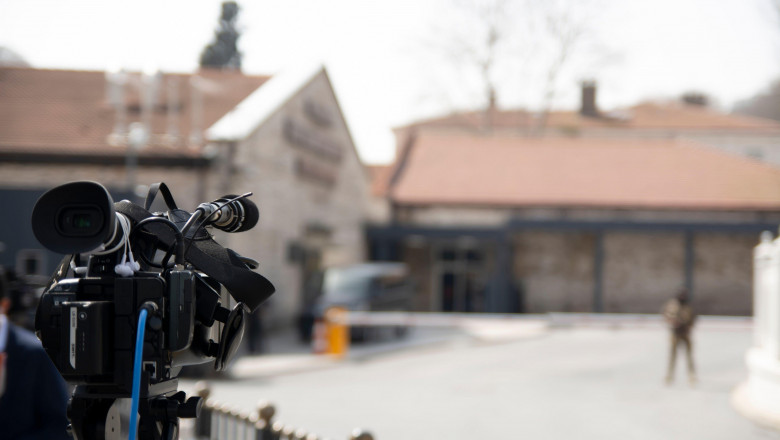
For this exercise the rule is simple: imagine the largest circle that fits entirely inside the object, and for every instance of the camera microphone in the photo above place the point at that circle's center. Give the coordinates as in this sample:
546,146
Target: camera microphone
231,213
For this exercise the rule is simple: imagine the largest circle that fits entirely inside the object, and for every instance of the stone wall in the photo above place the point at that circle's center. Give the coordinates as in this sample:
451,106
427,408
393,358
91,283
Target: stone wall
642,270
723,273
554,271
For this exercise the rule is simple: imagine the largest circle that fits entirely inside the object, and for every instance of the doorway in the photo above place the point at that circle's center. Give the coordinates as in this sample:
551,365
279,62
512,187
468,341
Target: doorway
460,277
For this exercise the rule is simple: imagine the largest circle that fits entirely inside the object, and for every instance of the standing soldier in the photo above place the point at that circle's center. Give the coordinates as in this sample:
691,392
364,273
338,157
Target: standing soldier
680,317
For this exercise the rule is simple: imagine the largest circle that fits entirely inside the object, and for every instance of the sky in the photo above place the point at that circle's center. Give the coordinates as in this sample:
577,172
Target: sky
386,60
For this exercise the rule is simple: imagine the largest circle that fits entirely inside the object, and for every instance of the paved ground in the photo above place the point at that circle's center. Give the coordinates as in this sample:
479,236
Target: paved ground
593,382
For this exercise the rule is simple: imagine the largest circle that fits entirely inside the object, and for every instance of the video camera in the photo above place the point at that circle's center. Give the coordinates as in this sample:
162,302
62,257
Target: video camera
121,328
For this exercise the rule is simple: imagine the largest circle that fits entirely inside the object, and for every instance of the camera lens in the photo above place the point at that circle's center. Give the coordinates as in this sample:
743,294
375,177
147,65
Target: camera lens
82,221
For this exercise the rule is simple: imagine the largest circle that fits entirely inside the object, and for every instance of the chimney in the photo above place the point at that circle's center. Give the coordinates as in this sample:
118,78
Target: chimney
696,98
589,107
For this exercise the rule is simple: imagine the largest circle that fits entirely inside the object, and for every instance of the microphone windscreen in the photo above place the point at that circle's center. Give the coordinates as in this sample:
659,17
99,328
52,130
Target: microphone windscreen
252,215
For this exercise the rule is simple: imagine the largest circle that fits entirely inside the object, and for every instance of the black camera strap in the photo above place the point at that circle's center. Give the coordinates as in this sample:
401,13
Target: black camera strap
211,258
162,188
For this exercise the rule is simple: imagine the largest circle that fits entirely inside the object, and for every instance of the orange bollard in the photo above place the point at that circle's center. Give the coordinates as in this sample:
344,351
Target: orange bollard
337,331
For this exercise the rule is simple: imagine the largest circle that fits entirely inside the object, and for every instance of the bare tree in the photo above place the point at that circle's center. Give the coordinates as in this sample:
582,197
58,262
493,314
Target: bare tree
565,30
475,39
538,38
765,104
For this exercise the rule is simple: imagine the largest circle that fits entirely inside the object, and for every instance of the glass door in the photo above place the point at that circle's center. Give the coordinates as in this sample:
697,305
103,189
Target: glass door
460,278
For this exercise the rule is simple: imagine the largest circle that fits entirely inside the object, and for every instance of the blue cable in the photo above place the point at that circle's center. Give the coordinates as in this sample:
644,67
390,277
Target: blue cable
139,351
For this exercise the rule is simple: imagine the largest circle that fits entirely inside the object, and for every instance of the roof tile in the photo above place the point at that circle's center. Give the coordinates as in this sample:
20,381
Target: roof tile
64,111
565,172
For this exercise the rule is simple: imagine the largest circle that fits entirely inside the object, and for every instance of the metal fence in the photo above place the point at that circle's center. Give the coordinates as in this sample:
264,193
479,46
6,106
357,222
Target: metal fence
220,421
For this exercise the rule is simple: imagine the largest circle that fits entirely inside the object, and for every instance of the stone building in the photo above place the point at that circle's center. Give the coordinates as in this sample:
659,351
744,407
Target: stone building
289,143
499,218
127,130
58,126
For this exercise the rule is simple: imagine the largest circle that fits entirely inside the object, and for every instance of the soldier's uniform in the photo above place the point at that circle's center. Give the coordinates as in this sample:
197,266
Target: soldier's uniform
680,317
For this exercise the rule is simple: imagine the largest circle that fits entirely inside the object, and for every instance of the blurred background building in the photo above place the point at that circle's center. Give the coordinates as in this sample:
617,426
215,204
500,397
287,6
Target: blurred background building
493,210
580,211
129,129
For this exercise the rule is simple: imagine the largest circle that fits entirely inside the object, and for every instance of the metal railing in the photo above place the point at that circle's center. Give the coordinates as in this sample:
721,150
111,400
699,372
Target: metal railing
220,421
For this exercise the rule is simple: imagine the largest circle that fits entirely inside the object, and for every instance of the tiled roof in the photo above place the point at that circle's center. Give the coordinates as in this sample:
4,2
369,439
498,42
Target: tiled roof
645,116
563,172
68,112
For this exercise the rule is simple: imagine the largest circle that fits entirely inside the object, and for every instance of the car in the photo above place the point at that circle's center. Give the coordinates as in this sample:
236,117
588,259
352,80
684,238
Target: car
374,287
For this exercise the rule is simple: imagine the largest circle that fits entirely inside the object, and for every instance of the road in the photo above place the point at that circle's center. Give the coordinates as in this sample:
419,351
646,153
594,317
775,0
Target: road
583,383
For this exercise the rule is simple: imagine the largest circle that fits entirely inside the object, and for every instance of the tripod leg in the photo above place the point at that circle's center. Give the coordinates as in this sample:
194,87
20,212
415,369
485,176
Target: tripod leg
172,431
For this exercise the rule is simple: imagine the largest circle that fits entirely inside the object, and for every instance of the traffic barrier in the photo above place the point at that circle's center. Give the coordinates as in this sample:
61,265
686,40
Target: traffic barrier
553,320
319,339
435,319
219,421
330,335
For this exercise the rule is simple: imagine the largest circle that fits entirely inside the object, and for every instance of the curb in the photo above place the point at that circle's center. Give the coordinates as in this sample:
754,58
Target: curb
270,365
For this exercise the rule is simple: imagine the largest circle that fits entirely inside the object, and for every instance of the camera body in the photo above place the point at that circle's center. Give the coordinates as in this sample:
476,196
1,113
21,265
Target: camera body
88,325
88,316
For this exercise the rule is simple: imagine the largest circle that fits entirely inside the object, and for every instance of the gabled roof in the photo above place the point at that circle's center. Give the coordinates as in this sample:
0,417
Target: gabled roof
461,169
252,112
247,115
670,115
68,112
